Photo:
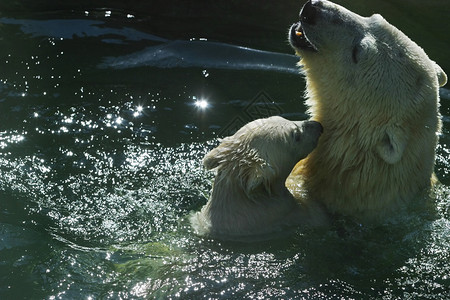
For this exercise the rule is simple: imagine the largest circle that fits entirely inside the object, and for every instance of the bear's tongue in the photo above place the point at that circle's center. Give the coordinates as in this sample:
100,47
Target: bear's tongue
299,39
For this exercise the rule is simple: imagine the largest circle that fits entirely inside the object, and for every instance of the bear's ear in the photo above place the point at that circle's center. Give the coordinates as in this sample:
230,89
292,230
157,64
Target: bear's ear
392,145
442,77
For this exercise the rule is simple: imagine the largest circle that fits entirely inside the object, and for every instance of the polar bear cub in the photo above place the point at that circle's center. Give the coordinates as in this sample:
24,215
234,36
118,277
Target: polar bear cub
249,195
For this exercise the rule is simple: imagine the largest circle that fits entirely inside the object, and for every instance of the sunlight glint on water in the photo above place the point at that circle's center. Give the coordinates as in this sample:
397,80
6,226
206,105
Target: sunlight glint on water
100,169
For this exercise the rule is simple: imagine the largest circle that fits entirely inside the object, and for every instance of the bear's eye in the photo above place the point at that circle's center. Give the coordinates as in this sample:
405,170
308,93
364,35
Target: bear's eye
355,52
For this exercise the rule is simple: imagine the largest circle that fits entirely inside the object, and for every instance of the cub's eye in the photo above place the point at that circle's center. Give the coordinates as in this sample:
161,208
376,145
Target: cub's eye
355,52
297,135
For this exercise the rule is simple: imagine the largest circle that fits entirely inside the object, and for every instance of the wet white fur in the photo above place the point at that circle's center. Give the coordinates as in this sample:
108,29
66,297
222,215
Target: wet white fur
375,92
249,196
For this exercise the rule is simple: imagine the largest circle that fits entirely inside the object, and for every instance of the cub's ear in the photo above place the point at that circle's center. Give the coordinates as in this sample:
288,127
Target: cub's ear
442,77
242,163
222,153
254,172
392,146
211,161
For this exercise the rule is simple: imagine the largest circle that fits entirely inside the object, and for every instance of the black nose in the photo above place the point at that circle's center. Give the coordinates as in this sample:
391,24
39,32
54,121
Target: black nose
309,11
313,125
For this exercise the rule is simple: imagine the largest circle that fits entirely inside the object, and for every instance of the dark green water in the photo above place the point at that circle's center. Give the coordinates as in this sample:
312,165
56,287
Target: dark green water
100,163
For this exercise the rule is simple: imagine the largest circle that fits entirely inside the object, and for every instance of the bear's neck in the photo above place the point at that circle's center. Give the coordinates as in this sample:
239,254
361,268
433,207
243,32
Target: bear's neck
344,171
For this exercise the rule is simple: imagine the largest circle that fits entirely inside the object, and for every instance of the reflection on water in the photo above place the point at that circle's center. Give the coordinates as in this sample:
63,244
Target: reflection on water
79,28
7,138
100,168
176,54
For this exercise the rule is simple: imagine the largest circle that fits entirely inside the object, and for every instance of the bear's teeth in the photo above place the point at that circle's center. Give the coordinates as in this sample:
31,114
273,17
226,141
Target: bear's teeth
298,33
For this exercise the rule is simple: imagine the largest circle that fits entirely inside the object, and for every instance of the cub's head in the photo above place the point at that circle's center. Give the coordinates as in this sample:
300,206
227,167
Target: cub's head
263,151
363,56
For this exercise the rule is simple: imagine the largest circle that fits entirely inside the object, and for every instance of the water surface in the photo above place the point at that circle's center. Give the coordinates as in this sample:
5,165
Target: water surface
101,144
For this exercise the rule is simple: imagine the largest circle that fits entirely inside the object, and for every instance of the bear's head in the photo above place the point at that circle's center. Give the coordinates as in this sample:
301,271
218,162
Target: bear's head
361,48
264,151
366,70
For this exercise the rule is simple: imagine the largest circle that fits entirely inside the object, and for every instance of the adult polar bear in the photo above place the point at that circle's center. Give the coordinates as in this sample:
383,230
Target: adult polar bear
376,94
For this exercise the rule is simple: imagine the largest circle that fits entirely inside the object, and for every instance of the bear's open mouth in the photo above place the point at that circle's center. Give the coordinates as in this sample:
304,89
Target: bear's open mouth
308,16
298,38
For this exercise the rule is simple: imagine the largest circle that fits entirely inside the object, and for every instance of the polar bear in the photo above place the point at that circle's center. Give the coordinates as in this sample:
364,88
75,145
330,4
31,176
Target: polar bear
249,196
376,94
